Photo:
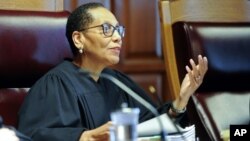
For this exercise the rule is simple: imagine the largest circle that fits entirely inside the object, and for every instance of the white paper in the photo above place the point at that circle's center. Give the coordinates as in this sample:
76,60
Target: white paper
152,128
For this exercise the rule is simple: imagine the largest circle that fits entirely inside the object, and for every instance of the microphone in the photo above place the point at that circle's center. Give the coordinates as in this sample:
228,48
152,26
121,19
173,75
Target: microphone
1,122
133,95
139,99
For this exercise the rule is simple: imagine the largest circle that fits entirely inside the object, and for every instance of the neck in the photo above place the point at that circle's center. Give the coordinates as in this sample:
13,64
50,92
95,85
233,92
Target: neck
88,66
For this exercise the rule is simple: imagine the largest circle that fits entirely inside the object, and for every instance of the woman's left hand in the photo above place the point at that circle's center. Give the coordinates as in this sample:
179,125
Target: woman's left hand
192,80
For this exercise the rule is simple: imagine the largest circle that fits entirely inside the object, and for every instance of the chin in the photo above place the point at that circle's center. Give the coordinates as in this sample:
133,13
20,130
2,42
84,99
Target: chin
115,61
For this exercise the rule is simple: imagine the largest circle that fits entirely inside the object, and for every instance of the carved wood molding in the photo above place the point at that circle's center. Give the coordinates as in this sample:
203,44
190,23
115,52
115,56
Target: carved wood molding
32,5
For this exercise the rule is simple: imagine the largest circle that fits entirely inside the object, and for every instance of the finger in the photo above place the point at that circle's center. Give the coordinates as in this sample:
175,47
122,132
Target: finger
194,68
101,136
104,128
205,63
190,75
194,79
201,66
105,136
200,62
204,66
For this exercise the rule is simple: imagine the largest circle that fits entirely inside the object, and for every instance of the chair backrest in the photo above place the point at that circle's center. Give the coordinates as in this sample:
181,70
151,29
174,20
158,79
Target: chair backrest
219,30
31,43
173,11
223,98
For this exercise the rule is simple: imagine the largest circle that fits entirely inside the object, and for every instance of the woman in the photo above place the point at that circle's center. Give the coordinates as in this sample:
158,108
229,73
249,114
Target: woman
67,104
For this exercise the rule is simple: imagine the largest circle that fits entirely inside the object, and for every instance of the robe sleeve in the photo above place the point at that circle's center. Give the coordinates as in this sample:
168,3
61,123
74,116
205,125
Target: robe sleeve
50,111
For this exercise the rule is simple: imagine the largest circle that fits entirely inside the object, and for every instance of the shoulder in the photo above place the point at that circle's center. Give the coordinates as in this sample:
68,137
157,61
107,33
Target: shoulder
58,75
62,70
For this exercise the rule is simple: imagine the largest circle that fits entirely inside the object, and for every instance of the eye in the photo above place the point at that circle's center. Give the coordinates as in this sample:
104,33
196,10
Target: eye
107,28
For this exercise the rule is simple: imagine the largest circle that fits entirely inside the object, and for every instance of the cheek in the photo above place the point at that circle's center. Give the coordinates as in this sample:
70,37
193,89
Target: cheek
103,47
100,47
100,50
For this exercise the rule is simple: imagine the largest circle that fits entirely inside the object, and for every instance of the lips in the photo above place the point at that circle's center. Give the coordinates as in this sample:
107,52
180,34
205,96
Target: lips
116,49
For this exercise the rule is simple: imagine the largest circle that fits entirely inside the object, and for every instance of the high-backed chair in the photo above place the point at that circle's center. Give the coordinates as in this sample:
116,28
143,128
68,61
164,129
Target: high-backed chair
219,30
223,98
31,43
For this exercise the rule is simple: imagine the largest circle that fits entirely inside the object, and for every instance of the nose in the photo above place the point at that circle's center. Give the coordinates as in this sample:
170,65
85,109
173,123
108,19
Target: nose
117,36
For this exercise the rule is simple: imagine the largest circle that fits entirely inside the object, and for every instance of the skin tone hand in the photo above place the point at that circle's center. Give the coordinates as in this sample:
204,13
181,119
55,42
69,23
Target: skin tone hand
99,134
191,82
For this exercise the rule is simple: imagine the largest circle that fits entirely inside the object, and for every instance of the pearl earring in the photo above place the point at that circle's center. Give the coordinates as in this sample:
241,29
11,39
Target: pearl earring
81,51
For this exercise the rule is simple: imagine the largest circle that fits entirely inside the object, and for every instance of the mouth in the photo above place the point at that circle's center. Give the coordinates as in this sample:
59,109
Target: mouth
116,50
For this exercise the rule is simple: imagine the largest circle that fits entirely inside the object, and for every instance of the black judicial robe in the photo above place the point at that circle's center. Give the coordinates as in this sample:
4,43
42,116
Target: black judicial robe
66,101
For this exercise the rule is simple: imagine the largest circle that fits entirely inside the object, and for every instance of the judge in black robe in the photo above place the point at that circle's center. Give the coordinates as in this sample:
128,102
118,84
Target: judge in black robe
67,101
67,104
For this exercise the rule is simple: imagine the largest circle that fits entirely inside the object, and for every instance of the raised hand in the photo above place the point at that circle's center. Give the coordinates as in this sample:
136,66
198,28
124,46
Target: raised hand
192,80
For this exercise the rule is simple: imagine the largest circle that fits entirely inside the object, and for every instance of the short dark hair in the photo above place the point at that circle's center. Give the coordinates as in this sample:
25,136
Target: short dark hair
79,19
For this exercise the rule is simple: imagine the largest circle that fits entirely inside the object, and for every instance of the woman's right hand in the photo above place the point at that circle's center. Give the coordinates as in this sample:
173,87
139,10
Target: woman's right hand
101,133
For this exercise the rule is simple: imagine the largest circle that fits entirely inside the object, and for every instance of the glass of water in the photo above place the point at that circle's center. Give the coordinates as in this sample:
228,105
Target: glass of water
125,123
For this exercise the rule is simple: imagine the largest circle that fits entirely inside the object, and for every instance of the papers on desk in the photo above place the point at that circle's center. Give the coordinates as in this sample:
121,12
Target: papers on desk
150,130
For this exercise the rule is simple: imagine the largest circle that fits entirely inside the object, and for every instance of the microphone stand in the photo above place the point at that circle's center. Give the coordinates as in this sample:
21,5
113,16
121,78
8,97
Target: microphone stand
1,122
137,98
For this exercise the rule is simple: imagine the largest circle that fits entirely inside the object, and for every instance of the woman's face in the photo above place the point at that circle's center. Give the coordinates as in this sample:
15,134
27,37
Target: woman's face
98,48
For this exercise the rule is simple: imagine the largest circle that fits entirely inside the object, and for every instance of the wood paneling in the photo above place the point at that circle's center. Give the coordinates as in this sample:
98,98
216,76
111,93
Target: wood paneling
140,18
70,5
141,54
106,3
151,83
209,10
33,5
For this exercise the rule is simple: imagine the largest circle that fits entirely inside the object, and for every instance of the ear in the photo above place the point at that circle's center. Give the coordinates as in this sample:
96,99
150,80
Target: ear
78,39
